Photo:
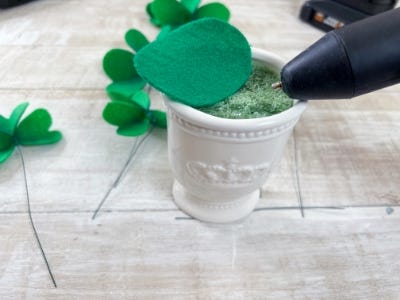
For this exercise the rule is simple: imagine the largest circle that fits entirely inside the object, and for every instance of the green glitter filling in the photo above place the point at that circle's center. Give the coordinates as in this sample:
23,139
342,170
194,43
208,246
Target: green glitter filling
255,99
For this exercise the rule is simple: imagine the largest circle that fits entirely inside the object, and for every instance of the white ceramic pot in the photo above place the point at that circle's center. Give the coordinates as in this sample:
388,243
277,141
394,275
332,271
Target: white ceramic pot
220,164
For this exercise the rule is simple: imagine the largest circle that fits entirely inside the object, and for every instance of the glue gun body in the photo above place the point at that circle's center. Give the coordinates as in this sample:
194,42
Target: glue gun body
356,59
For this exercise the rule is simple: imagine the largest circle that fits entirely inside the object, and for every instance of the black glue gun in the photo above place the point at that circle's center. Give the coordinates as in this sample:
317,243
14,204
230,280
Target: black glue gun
356,59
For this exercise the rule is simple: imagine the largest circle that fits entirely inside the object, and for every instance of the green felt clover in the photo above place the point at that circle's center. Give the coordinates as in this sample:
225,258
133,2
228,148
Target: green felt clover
31,131
175,13
118,65
133,116
175,66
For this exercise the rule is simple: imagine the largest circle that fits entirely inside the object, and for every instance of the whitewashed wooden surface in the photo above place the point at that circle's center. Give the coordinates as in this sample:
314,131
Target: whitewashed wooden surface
343,163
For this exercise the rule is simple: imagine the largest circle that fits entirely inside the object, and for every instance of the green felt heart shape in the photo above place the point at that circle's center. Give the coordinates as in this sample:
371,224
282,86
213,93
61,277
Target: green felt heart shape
135,129
135,39
199,64
213,10
34,129
170,12
117,64
126,88
122,114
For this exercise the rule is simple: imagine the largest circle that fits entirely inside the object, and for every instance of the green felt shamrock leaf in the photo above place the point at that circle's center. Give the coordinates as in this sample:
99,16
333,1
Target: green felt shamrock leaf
170,12
213,10
191,5
127,87
197,78
32,131
8,125
153,20
174,13
117,64
132,115
135,39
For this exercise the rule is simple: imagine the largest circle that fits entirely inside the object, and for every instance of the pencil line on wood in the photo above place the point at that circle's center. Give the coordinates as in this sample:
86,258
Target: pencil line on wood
150,210
31,219
297,175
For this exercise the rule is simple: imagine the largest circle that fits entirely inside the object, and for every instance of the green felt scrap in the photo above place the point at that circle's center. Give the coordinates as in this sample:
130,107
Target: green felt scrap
126,88
134,129
191,5
213,10
135,39
117,64
199,64
34,129
170,12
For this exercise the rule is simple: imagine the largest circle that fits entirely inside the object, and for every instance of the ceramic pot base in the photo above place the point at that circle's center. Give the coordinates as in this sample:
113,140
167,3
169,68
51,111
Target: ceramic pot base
214,211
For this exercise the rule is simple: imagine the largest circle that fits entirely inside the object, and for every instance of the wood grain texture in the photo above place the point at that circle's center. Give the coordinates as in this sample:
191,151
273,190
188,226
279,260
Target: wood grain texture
155,256
343,164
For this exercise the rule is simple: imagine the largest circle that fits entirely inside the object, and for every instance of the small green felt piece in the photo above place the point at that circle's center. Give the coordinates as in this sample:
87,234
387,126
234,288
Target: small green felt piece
122,114
6,141
142,99
170,12
199,64
135,39
213,10
135,129
158,118
17,113
5,154
191,5
5,125
164,31
34,129
117,64
153,20
126,88
8,125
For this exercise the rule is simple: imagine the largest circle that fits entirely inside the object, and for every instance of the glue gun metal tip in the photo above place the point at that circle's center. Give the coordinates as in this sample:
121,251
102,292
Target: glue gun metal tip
277,85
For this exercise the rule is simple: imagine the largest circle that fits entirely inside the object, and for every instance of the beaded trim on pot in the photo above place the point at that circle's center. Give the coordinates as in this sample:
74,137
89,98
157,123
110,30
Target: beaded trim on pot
237,135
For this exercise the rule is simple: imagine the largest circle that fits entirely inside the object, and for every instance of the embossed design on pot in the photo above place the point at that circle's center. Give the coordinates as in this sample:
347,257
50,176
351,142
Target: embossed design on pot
229,172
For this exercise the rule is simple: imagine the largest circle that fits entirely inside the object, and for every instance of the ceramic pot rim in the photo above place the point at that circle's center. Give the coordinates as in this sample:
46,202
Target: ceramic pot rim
205,120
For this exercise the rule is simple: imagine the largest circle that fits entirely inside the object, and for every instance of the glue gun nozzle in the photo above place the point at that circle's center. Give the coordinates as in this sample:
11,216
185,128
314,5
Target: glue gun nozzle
277,85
